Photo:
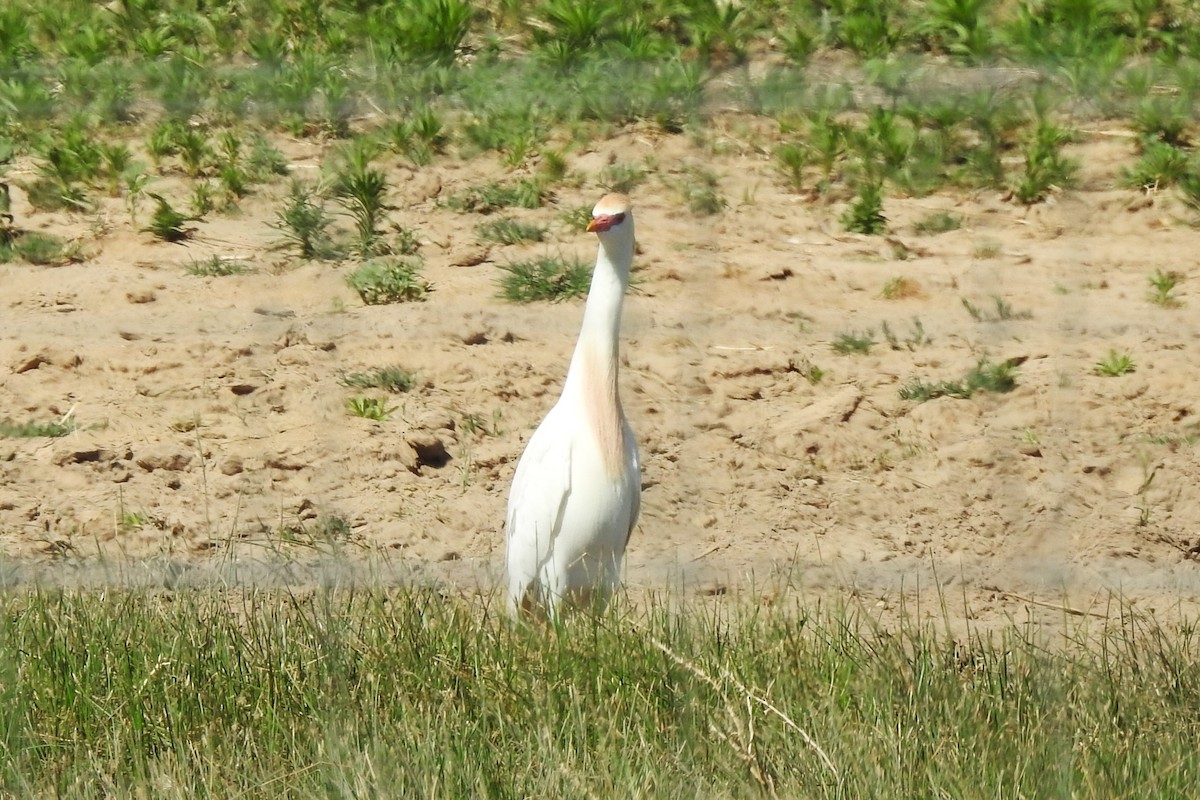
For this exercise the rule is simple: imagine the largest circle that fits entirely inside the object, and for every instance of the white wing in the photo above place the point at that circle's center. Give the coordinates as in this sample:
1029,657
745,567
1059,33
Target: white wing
540,488
636,465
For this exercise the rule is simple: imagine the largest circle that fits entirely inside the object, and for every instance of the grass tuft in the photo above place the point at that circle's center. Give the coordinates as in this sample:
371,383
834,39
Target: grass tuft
389,280
983,377
396,380
545,278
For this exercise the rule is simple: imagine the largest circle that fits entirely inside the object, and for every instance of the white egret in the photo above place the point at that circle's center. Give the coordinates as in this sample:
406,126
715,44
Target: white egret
577,489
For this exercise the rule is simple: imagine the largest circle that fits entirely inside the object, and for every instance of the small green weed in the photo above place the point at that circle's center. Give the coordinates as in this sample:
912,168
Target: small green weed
984,377
167,223
865,214
389,280
916,336
38,248
396,380
938,222
790,161
899,288
701,192
1161,165
545,278
1045,166
510,231
1114,365
372,408
1003,311
218,267
305,223
622,177
849,342
485,199
1162,286
33,430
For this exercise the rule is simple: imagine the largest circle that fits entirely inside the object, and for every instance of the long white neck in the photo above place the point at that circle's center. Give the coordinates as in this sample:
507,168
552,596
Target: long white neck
594,364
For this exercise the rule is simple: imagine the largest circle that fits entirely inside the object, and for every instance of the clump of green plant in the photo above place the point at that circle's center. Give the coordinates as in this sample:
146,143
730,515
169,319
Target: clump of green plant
362,191
218,267
622,177
167,223
938,222
373,408
305,223
1160,165
507,230
545,278
983,377
1162,288
33,430
1189,190
701,192
899,288
389,280
485,199
791,159
865,214
395,380
419,135
916,336
1114,365
1046,167
858,342
37,248
1003,311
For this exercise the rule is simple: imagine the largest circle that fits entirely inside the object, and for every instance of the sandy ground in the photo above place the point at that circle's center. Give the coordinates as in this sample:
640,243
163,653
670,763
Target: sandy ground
213,431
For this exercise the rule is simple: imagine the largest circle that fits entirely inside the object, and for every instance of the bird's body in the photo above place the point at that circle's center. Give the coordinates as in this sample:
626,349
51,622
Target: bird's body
577,489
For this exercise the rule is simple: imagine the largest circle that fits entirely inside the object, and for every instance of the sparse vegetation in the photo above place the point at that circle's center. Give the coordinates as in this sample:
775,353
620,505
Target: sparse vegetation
545,278
865,214
510,231
1162,288
1002,311
899,288
372,408
854,342
396,380
938,222
984,377
32,430
390,279
218,267
1114,365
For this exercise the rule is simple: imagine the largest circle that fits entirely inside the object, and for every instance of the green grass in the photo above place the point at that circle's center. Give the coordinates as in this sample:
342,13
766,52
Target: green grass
1002,311
1114,365
545,278
33,430
1162,288
396,380
853,342
218,267
389,280
510,231
983,377
404,693
38,248
372,408
494,196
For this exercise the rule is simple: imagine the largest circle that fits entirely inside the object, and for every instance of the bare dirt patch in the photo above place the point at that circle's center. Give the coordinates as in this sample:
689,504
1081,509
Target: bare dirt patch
212,422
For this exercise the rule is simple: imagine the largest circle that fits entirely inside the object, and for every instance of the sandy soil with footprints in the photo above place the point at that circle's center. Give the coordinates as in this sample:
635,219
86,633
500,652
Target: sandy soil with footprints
214,439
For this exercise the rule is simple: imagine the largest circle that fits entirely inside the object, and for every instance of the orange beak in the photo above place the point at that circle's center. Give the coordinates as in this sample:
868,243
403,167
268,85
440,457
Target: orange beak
603,222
